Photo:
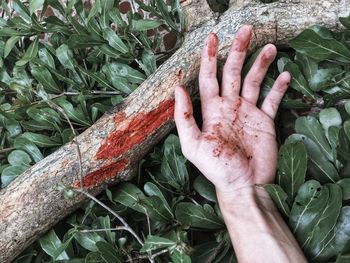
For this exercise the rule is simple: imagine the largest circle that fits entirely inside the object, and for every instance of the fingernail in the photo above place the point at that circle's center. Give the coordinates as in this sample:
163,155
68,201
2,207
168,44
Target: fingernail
212,44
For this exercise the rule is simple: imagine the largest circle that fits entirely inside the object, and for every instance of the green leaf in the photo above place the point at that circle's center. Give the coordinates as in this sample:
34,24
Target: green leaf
313,45
148,64
10,173
35,5
323,78
109,253
165,14
19,157
318,164
125,71
292,164
325,221
145,24
88,240
343,149
50,243
156,209
205,188
197,216
40,139
156,242
308,66
298,81
30,53
97,77
76,114
105,223
43,76
46,116
65,56
330,117
83,41
279,197
114,40
344,257
173,167
336,239
152,190
307,208
179,256
129,195
29,147
10,43
345,186
13,127
310,127
345,21
46,58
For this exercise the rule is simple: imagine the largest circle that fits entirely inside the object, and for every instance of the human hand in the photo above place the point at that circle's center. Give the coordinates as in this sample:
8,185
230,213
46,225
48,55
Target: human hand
237,145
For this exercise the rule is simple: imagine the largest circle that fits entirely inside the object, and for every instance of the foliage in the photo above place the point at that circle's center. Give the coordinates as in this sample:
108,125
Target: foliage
51,91
171,207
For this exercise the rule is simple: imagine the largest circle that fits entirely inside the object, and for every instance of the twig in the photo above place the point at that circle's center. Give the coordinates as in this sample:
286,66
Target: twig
5,150
148,221
126,226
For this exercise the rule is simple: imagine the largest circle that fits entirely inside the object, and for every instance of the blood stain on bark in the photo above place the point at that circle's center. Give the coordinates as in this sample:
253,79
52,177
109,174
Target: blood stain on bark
99,176
212,45
135,131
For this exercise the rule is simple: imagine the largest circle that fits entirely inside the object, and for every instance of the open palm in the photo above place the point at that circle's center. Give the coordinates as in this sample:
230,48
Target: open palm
237,145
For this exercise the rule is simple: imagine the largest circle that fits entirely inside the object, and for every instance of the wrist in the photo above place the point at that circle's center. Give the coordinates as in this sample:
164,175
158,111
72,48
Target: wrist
245,199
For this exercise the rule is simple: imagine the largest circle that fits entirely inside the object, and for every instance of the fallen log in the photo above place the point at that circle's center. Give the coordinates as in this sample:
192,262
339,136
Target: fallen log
111,148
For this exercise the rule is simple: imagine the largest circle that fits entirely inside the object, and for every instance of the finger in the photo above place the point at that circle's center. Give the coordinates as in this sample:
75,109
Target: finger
208,83
255,76
186,125
274,97
231,80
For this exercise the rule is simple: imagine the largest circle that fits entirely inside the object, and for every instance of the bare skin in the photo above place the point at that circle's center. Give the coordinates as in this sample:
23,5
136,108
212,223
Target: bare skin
236,148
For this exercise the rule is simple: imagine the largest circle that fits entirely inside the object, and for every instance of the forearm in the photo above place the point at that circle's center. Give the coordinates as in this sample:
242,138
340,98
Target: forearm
257,230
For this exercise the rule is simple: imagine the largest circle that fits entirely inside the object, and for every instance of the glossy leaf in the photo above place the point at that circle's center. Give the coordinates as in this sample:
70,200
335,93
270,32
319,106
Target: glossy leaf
205,188
292,164
279,197
313,45
50,243
65,56
29,147
19,157
114,40
40,139
88,240
345,186
30,53
310,127
299,83
10,43
35,5
318,165
109,253
145,24
197,216
129,195
156,242
10,173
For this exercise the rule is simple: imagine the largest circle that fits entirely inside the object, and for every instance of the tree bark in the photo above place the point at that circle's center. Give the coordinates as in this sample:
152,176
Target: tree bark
111,148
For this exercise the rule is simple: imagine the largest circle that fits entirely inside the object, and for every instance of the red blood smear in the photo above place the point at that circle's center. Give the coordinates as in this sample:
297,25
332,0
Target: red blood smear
101,175
212,45
135,131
